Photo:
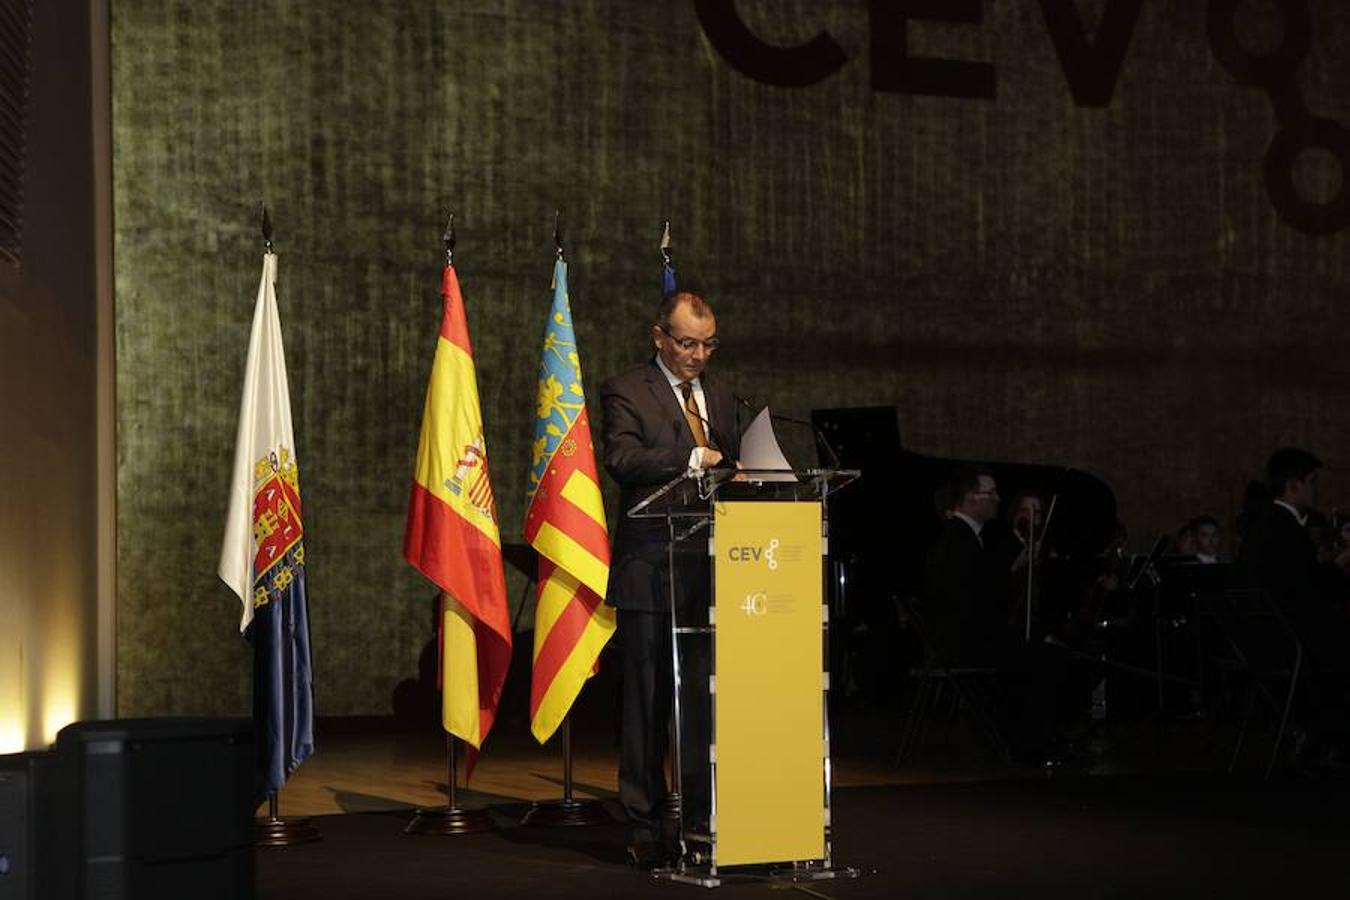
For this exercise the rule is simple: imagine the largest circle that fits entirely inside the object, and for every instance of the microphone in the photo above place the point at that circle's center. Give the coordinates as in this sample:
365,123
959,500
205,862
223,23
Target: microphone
750,404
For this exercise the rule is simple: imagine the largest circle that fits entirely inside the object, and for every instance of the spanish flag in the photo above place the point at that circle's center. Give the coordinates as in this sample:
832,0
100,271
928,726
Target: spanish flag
565,523
452,535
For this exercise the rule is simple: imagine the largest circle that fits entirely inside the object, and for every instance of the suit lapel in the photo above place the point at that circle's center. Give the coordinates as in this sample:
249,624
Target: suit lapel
718,415
669,407
721,417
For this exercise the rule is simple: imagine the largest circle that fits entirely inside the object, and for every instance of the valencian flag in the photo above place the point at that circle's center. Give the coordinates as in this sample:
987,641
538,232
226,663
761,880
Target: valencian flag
565,523
262,558
452,535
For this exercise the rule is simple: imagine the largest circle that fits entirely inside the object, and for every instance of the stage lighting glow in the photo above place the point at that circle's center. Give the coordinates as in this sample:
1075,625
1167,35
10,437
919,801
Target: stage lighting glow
11,736
59,701
57,715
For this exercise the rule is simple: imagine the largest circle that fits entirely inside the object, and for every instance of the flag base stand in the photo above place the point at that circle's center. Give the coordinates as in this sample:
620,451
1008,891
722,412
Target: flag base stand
273,831
450,820
284,832
565,811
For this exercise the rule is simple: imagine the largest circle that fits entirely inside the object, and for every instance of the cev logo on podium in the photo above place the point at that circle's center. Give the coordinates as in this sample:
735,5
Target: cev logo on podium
768,553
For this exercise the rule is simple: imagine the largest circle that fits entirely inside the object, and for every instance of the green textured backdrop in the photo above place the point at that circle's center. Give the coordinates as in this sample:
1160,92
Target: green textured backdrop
1027,279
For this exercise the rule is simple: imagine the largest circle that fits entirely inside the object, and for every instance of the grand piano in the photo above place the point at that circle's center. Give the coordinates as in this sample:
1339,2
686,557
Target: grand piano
883,527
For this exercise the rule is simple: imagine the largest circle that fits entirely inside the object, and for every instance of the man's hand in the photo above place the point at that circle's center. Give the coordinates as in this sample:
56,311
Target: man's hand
710,457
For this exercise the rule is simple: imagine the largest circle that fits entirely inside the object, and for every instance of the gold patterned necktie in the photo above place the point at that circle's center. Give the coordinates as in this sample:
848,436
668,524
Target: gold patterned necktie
692,414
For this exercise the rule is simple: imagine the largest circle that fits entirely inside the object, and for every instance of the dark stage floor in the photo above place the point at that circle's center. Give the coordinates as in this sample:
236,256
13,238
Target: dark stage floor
1084,837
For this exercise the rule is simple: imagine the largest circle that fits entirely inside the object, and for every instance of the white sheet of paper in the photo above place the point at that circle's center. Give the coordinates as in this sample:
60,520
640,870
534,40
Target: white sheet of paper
760,450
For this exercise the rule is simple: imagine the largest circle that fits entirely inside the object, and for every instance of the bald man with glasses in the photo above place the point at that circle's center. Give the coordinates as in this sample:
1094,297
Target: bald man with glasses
663,418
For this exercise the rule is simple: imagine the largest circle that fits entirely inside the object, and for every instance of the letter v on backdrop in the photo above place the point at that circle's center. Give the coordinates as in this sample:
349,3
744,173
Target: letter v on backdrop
1091,63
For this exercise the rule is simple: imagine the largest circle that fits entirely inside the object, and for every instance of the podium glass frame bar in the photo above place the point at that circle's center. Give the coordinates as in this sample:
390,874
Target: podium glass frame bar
688,505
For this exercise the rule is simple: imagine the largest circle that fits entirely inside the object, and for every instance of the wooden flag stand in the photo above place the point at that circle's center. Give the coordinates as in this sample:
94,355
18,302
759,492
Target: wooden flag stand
453,818
568,810
274,831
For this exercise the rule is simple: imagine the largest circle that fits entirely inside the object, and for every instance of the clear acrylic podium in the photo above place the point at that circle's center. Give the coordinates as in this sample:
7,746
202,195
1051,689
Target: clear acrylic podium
749,638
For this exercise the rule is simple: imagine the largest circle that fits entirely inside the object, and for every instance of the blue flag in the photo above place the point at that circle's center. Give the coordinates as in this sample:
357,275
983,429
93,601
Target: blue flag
668,280
667,267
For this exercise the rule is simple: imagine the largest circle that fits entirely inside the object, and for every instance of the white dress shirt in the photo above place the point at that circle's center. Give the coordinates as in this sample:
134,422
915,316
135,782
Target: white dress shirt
1301,518
975,526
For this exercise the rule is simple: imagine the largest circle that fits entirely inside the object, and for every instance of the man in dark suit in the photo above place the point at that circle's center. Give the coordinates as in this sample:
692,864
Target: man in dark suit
663,418
1037,693
966,606
1278,555
1277,552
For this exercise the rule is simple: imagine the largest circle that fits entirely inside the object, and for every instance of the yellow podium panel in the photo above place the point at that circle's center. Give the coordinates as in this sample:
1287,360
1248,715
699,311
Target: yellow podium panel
769,700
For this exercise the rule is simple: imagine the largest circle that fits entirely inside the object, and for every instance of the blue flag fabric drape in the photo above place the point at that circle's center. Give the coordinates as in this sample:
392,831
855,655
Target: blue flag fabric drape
283,701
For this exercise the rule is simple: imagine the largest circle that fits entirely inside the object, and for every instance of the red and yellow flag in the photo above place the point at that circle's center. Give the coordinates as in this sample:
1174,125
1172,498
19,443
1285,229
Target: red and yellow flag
452,535
565,523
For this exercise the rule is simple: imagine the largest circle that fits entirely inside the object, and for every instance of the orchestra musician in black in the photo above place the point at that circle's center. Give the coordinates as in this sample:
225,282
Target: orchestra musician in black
1280,556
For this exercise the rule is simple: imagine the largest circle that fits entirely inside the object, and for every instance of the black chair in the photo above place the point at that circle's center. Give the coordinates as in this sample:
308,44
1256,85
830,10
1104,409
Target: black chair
1258,645
965,686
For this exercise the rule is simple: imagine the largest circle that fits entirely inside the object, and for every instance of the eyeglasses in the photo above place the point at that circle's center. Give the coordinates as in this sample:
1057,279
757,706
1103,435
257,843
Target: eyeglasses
688,344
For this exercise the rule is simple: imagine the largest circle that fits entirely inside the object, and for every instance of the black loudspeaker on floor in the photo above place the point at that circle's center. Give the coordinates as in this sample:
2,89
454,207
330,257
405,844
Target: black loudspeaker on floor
131,809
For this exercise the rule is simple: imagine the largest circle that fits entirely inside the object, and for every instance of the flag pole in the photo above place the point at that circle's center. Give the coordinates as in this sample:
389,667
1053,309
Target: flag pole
451,772
452,818
273,830
566,810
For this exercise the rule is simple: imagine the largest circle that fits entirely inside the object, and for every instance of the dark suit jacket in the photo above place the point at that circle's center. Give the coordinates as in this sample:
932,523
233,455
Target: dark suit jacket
965,612
1279,556
647,443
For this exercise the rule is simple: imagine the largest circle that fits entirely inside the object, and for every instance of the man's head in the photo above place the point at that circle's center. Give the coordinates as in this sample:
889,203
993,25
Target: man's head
1206,531
1186,541
1028,513
685,334
975,494
1291,474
